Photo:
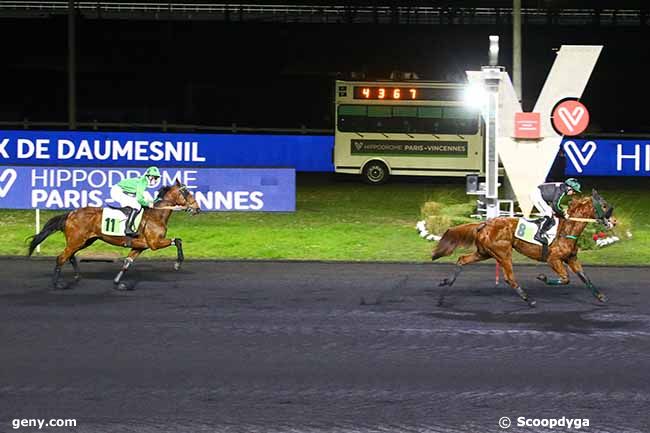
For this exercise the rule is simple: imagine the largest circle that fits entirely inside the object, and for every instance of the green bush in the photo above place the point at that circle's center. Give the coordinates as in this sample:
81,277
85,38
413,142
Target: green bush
623,226
439,216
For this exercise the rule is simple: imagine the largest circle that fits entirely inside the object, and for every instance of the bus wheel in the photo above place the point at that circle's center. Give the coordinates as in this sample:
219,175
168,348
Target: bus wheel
375,172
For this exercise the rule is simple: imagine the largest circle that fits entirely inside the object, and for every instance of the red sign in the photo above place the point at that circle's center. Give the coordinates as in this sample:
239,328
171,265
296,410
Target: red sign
570,117
527,125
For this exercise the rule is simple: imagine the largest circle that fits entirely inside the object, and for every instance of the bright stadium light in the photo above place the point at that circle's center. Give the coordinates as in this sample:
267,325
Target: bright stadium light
475,96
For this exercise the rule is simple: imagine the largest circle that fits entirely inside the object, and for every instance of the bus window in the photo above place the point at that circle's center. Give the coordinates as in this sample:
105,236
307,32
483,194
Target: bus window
352,118
405,118
380,118
460,120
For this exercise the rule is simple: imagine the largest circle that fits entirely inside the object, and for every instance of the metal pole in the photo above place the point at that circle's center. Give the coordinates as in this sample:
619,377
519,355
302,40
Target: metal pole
491,79
516,47
38,227
72,93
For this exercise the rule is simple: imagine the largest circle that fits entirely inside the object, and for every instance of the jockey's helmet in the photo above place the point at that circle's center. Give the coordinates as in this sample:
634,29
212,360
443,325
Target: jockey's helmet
152,174
573,184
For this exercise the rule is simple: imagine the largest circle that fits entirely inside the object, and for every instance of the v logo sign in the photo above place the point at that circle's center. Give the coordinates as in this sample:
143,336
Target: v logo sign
579,157
10,176
571,119
527,163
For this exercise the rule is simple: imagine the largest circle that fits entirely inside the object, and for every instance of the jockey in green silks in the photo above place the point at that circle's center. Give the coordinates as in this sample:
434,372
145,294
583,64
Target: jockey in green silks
129,193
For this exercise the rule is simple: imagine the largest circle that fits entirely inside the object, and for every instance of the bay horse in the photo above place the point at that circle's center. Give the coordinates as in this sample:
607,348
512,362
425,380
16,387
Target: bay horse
83,226
496,239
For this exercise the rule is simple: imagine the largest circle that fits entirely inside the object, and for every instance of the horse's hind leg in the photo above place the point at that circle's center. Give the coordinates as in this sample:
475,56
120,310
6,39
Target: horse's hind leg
75,263
462,261
502,253
510,279
576,267
75,266
66,255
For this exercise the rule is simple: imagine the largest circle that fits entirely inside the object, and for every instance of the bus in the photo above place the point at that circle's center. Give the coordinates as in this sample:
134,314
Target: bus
421,128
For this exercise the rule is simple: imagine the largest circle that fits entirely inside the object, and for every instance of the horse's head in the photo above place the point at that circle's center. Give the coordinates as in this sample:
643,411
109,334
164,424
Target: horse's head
602,210
179,195
594,207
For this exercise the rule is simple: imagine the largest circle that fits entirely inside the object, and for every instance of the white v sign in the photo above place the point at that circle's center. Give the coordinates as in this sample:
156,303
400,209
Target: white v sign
527,163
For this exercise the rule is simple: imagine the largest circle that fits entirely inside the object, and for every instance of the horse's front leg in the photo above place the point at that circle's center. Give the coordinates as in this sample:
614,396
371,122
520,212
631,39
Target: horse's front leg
160,243
558,267
133,254
576,267
180,257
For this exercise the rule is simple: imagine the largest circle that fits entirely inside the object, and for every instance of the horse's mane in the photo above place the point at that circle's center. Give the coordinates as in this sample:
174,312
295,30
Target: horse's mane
579,201
163,190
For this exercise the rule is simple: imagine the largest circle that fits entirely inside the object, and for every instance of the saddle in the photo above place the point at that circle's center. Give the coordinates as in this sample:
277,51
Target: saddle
527,229
114,220
120,208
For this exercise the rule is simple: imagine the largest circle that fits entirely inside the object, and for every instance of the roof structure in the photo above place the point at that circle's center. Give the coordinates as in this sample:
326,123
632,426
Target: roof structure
466,12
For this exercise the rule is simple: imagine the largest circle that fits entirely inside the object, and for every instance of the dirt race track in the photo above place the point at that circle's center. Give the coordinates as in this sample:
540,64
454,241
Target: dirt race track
315,347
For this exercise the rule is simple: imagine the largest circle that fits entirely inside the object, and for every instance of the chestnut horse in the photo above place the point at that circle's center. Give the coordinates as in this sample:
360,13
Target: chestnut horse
496,239
83,226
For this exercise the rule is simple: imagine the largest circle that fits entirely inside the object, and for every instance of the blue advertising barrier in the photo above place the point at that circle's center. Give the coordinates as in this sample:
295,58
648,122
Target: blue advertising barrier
607,157
139,149
215,189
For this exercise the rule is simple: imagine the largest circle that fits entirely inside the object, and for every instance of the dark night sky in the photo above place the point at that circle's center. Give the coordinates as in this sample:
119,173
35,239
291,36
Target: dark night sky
281,75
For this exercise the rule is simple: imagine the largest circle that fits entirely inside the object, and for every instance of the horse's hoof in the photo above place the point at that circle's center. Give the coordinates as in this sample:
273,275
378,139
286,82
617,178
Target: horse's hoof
446,282
177,266
601,297
541,277
122,287
531,303
61,286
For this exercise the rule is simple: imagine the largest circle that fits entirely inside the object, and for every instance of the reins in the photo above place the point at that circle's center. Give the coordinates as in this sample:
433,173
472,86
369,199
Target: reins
583,220
170,207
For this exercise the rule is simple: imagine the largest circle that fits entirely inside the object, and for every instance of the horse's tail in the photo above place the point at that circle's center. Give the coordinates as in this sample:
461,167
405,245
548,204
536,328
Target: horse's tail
54,224
461,236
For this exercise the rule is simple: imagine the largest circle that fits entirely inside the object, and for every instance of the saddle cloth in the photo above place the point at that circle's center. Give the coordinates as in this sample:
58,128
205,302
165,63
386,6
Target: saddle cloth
114,221
526,230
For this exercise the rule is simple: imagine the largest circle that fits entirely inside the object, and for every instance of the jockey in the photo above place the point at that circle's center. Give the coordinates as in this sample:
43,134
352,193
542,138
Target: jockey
547,198
129,193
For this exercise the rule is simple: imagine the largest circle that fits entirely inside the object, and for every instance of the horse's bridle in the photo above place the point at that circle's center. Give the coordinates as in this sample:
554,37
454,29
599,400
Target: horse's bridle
601,215
186,194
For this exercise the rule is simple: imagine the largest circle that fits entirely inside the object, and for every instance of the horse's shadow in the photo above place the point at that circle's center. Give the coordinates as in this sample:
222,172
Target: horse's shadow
573,321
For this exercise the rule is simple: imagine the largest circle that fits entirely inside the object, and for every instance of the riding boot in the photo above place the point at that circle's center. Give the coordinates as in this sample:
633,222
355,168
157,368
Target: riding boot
129,229
544,226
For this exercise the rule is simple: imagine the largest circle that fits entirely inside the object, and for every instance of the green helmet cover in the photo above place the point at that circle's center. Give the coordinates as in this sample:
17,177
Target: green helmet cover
573,184
152,171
